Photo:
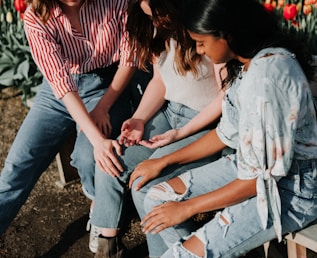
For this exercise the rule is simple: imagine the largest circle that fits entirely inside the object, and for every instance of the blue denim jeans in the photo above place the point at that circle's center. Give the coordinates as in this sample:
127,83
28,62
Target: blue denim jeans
238,229
82,157
42,133
110,192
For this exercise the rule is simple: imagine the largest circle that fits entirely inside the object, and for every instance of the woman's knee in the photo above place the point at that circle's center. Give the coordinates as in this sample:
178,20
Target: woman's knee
172,190
195,246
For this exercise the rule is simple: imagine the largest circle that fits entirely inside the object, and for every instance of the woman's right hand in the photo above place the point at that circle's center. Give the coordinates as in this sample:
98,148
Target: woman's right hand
131,132
148,170
161,139
106,159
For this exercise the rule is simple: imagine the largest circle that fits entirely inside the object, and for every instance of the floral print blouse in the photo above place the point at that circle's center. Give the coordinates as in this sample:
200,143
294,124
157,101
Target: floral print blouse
269,118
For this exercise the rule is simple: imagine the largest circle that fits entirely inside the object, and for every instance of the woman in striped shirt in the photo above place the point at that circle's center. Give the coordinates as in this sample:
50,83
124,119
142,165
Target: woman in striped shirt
81,47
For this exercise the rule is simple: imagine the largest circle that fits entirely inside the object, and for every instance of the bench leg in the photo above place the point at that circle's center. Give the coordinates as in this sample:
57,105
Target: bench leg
295,250
67,173
266,247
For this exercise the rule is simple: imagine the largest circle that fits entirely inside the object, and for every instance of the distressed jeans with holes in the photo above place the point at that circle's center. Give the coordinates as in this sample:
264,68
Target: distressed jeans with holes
110,192
155,243
237,229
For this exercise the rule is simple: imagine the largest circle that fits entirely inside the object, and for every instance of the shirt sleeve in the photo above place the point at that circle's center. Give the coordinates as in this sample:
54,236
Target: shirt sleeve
47,55
227,129
268,119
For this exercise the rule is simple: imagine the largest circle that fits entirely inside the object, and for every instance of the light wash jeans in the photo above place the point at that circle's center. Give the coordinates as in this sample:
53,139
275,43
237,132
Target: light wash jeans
42,133
110,192
241,230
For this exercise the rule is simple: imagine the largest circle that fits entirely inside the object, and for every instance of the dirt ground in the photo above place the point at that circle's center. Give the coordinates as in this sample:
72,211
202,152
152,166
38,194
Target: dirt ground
52,223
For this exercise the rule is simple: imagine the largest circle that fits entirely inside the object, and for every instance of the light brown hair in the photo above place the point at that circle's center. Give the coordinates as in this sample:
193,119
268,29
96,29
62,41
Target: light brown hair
167,14
43,8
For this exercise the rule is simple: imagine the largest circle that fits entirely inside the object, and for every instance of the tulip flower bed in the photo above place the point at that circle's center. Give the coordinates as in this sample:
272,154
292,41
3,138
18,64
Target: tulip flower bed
297,16
17,68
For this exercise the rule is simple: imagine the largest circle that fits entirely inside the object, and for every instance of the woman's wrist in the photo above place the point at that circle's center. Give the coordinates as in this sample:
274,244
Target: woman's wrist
167,160
97,139
180,133
188,209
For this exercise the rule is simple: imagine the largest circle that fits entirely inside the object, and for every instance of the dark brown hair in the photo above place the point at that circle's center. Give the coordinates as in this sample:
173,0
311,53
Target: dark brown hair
247,26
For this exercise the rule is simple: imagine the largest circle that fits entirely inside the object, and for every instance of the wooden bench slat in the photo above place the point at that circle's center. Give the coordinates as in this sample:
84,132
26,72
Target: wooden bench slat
306,237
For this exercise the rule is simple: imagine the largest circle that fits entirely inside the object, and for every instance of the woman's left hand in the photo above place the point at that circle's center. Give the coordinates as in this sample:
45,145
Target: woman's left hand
165,215
161,139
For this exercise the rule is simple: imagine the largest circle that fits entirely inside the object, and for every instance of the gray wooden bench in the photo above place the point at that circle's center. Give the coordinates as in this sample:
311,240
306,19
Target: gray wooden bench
298,242
67,173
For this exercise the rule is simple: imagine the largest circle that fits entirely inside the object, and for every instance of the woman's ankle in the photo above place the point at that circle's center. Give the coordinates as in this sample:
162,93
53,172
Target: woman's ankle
109,232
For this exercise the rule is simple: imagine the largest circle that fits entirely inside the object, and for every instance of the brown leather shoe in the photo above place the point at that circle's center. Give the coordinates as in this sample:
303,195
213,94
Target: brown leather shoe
110,247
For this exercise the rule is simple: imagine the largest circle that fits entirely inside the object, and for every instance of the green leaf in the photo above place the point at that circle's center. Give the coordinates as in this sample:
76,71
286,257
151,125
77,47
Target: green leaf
9,54
6,78
5,59
24,48
5,67
23,69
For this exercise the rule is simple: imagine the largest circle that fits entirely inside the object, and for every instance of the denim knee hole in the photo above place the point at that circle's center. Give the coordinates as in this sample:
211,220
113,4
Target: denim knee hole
165,191
224,220
180,251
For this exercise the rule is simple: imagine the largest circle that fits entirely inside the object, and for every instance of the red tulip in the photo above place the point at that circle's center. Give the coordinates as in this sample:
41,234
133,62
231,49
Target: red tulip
20,5
290,12
307,9
269,7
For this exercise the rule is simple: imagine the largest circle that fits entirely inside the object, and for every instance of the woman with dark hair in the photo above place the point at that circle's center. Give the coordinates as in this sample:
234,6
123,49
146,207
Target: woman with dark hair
179,105
269,186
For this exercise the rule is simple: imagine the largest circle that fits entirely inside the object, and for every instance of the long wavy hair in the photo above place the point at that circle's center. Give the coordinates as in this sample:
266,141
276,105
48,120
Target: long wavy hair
42,8
246,26
151,41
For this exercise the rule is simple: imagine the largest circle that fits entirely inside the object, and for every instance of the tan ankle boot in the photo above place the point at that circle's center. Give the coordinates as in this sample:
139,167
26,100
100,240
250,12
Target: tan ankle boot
110,247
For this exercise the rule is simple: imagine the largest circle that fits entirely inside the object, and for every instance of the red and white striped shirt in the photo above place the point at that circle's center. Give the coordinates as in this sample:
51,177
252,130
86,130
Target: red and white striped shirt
59,50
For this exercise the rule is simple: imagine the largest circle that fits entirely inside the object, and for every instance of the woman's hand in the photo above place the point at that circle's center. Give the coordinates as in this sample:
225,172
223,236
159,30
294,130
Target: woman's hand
148,169
165,215
102,119
161,139
131,132
106,159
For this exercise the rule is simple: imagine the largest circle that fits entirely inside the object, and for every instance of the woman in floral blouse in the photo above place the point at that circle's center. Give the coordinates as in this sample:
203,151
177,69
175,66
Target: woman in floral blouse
269,186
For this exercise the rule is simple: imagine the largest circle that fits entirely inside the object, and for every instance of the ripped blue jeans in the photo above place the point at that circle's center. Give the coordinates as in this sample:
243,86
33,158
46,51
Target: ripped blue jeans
237,229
